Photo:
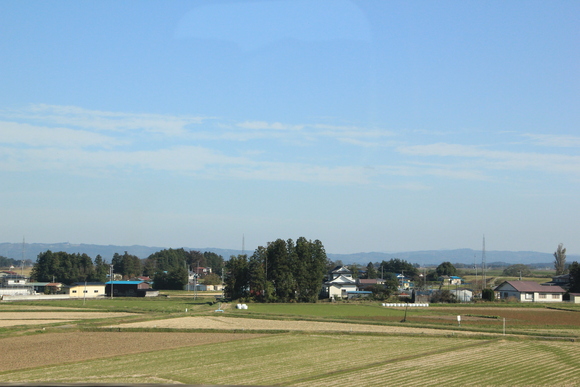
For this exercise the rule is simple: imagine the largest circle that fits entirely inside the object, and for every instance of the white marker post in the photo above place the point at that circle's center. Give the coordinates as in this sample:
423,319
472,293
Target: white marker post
459,320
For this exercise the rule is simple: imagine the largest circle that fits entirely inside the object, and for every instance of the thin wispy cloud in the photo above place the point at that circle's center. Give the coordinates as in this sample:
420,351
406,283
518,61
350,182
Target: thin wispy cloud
103,120
553,140
550,162
84,140
258,125
42,136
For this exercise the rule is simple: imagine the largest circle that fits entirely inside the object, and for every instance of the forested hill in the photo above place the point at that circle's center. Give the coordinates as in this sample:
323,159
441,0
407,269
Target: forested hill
465,256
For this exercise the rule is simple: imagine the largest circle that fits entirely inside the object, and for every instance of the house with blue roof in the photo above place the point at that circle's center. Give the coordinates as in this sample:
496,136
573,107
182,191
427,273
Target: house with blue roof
450,280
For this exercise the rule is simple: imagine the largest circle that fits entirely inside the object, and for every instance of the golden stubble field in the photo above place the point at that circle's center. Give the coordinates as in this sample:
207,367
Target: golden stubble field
63,347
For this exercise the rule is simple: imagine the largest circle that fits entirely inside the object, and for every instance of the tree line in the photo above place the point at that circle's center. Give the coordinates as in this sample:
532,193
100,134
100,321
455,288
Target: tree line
68,268
7,262
282,271
168,268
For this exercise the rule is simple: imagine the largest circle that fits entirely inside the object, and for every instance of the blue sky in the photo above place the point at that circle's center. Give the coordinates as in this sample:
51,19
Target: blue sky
370,125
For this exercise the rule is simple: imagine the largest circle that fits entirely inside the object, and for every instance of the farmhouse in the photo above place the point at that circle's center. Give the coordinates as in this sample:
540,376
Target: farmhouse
450,280
204,287
15,279
563,281
404,282
365,284
339,283
529,291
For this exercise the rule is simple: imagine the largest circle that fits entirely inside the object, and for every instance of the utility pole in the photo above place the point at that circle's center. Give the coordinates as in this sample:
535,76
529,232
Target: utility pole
22,266
483,266
195,281
112,279
223,289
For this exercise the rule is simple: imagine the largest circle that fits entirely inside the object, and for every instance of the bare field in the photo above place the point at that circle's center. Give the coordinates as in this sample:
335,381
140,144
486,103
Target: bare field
58,348
13,323
12,306
64,315
41,317
231,323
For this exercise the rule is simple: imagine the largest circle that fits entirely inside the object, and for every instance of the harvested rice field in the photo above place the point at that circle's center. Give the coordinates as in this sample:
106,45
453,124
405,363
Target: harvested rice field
311,360
41,317
343,345
56,348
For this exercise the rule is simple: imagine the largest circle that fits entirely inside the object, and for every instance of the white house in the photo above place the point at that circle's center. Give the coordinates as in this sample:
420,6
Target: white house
529,291
450,280
339,283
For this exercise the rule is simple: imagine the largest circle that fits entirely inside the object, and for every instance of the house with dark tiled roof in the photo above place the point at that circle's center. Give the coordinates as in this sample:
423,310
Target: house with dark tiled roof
563,281
339,282
529,291
364,284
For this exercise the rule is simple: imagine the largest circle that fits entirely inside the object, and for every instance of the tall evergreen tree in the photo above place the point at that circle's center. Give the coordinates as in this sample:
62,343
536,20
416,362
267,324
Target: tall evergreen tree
371,271
280,270
311,268
236,277
101,270
574,277
257,275
560,260
215,261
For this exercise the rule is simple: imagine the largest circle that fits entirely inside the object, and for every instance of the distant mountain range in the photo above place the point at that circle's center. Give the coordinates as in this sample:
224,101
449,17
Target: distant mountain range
429,257
31,250
463,256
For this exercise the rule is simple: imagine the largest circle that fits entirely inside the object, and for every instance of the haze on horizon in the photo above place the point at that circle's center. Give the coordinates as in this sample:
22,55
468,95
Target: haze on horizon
372,126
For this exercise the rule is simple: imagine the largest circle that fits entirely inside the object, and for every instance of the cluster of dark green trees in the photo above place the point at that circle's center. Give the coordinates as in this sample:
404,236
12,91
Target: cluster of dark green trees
283,271
574,271
168,268
7,262
68,268
387,268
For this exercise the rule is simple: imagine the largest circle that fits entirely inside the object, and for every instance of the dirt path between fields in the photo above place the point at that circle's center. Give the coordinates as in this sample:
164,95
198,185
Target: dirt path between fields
231,323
